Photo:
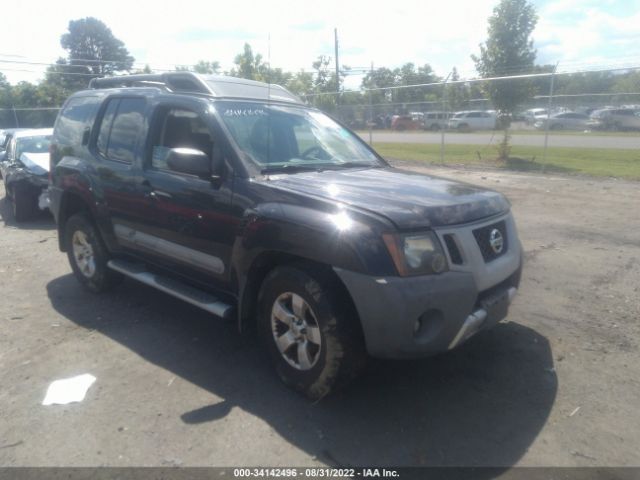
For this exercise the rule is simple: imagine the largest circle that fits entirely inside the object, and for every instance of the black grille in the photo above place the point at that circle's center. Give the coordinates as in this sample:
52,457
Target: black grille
454,251
483,237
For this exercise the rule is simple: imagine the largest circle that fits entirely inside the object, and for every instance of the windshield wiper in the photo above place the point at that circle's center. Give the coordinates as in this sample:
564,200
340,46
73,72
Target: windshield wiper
290,168
354,165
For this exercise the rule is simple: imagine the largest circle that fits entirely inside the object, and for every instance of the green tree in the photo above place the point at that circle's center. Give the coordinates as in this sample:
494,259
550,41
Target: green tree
457,95
301,83
92,50
409,75
249,65
324,82
207,67
508,51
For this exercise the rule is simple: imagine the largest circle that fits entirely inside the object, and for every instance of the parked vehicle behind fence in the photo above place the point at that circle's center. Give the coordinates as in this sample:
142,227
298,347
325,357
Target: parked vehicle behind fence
236,197
617,119
564,121
532,115
406,122
435,121
473,120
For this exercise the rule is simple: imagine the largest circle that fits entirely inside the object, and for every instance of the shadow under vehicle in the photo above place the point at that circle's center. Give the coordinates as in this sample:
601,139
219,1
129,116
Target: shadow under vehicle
480,405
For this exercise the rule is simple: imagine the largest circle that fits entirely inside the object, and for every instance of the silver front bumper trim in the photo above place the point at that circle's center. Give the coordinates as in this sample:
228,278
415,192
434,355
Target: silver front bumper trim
474,321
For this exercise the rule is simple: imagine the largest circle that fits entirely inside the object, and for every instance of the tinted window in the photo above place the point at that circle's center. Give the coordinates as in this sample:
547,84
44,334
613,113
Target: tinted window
105,126
124,130
474,115
179,128
73,119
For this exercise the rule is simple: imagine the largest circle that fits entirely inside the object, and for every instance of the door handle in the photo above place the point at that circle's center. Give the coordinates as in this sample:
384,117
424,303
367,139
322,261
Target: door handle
160,193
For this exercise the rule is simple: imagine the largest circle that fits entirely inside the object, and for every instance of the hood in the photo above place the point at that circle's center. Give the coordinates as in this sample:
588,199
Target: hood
410,200
37,163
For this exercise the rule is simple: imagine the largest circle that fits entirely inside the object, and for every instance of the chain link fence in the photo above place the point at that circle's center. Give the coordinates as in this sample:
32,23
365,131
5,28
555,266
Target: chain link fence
580,122
37,117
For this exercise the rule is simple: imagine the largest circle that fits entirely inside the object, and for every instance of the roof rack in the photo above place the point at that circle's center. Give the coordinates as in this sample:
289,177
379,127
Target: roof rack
176,82
210,85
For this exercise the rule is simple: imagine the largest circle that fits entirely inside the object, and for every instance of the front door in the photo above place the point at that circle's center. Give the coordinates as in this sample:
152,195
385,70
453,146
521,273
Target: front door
192,226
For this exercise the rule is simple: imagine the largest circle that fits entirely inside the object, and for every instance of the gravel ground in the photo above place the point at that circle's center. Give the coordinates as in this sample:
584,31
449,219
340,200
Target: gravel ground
557,384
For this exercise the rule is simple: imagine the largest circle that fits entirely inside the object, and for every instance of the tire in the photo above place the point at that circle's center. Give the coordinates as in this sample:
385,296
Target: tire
557,126
464,127
24,206
434,127
88,256
329,335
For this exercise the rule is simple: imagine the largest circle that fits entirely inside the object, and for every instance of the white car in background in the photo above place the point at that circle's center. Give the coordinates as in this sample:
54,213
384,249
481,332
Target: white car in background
533,115
564,121
473,120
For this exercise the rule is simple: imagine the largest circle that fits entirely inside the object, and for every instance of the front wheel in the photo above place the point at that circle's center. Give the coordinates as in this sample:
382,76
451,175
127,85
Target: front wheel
310,331
88,256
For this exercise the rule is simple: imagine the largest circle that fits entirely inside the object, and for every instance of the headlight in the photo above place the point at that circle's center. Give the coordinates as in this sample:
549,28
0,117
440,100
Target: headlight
416,254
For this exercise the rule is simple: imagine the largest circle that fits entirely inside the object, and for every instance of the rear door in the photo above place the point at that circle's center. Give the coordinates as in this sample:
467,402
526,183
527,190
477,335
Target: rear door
117,146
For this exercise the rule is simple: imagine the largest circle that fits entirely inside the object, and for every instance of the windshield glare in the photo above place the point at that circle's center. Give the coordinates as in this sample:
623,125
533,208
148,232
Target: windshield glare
276,136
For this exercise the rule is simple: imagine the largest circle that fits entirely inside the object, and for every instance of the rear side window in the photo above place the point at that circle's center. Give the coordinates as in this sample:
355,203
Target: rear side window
120,129
73,119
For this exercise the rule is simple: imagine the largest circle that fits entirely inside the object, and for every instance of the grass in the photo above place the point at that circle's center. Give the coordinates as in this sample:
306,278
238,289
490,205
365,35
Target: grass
591,133
598,162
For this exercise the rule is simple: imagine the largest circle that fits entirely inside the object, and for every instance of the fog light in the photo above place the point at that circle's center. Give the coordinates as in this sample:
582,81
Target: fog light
438,263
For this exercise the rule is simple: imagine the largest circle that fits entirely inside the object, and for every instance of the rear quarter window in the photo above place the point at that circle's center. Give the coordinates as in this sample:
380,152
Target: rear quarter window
120,129
74,118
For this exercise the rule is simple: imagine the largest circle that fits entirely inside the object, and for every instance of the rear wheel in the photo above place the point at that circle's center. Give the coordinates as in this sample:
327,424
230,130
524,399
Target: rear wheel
88,256
464,127
311,333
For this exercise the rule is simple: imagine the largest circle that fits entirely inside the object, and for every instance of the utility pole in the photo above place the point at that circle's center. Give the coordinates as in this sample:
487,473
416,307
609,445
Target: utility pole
546,129
371,108
335,32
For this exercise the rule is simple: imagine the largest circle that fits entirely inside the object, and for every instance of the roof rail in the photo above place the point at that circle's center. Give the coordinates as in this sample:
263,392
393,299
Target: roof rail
194,83
174,81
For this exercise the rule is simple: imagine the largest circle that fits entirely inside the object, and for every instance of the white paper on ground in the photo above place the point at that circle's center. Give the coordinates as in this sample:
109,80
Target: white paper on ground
68,390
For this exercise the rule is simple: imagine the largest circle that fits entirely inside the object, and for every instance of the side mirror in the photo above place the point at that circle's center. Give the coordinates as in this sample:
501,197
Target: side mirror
189,161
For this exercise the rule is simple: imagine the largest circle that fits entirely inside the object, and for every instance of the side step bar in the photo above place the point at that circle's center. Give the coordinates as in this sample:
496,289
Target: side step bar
189,294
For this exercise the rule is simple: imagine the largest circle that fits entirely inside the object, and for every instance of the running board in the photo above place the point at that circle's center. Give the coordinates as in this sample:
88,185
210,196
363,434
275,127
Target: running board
189,294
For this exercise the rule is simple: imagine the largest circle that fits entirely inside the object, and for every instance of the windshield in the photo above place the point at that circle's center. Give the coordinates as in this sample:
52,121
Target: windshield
460,115
35,144
276,136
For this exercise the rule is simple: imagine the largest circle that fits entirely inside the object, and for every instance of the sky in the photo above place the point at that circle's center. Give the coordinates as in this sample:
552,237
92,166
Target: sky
578,34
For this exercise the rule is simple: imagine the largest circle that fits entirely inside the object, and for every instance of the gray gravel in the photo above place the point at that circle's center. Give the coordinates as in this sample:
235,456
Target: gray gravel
555,385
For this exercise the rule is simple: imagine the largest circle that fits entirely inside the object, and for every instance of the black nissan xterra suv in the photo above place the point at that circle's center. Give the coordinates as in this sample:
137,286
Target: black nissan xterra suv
236,197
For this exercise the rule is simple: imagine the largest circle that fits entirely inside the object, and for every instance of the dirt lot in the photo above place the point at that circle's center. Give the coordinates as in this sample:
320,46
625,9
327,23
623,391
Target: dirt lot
558,384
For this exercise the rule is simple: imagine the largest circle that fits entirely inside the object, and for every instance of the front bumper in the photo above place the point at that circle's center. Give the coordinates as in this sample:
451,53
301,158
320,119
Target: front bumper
425,315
